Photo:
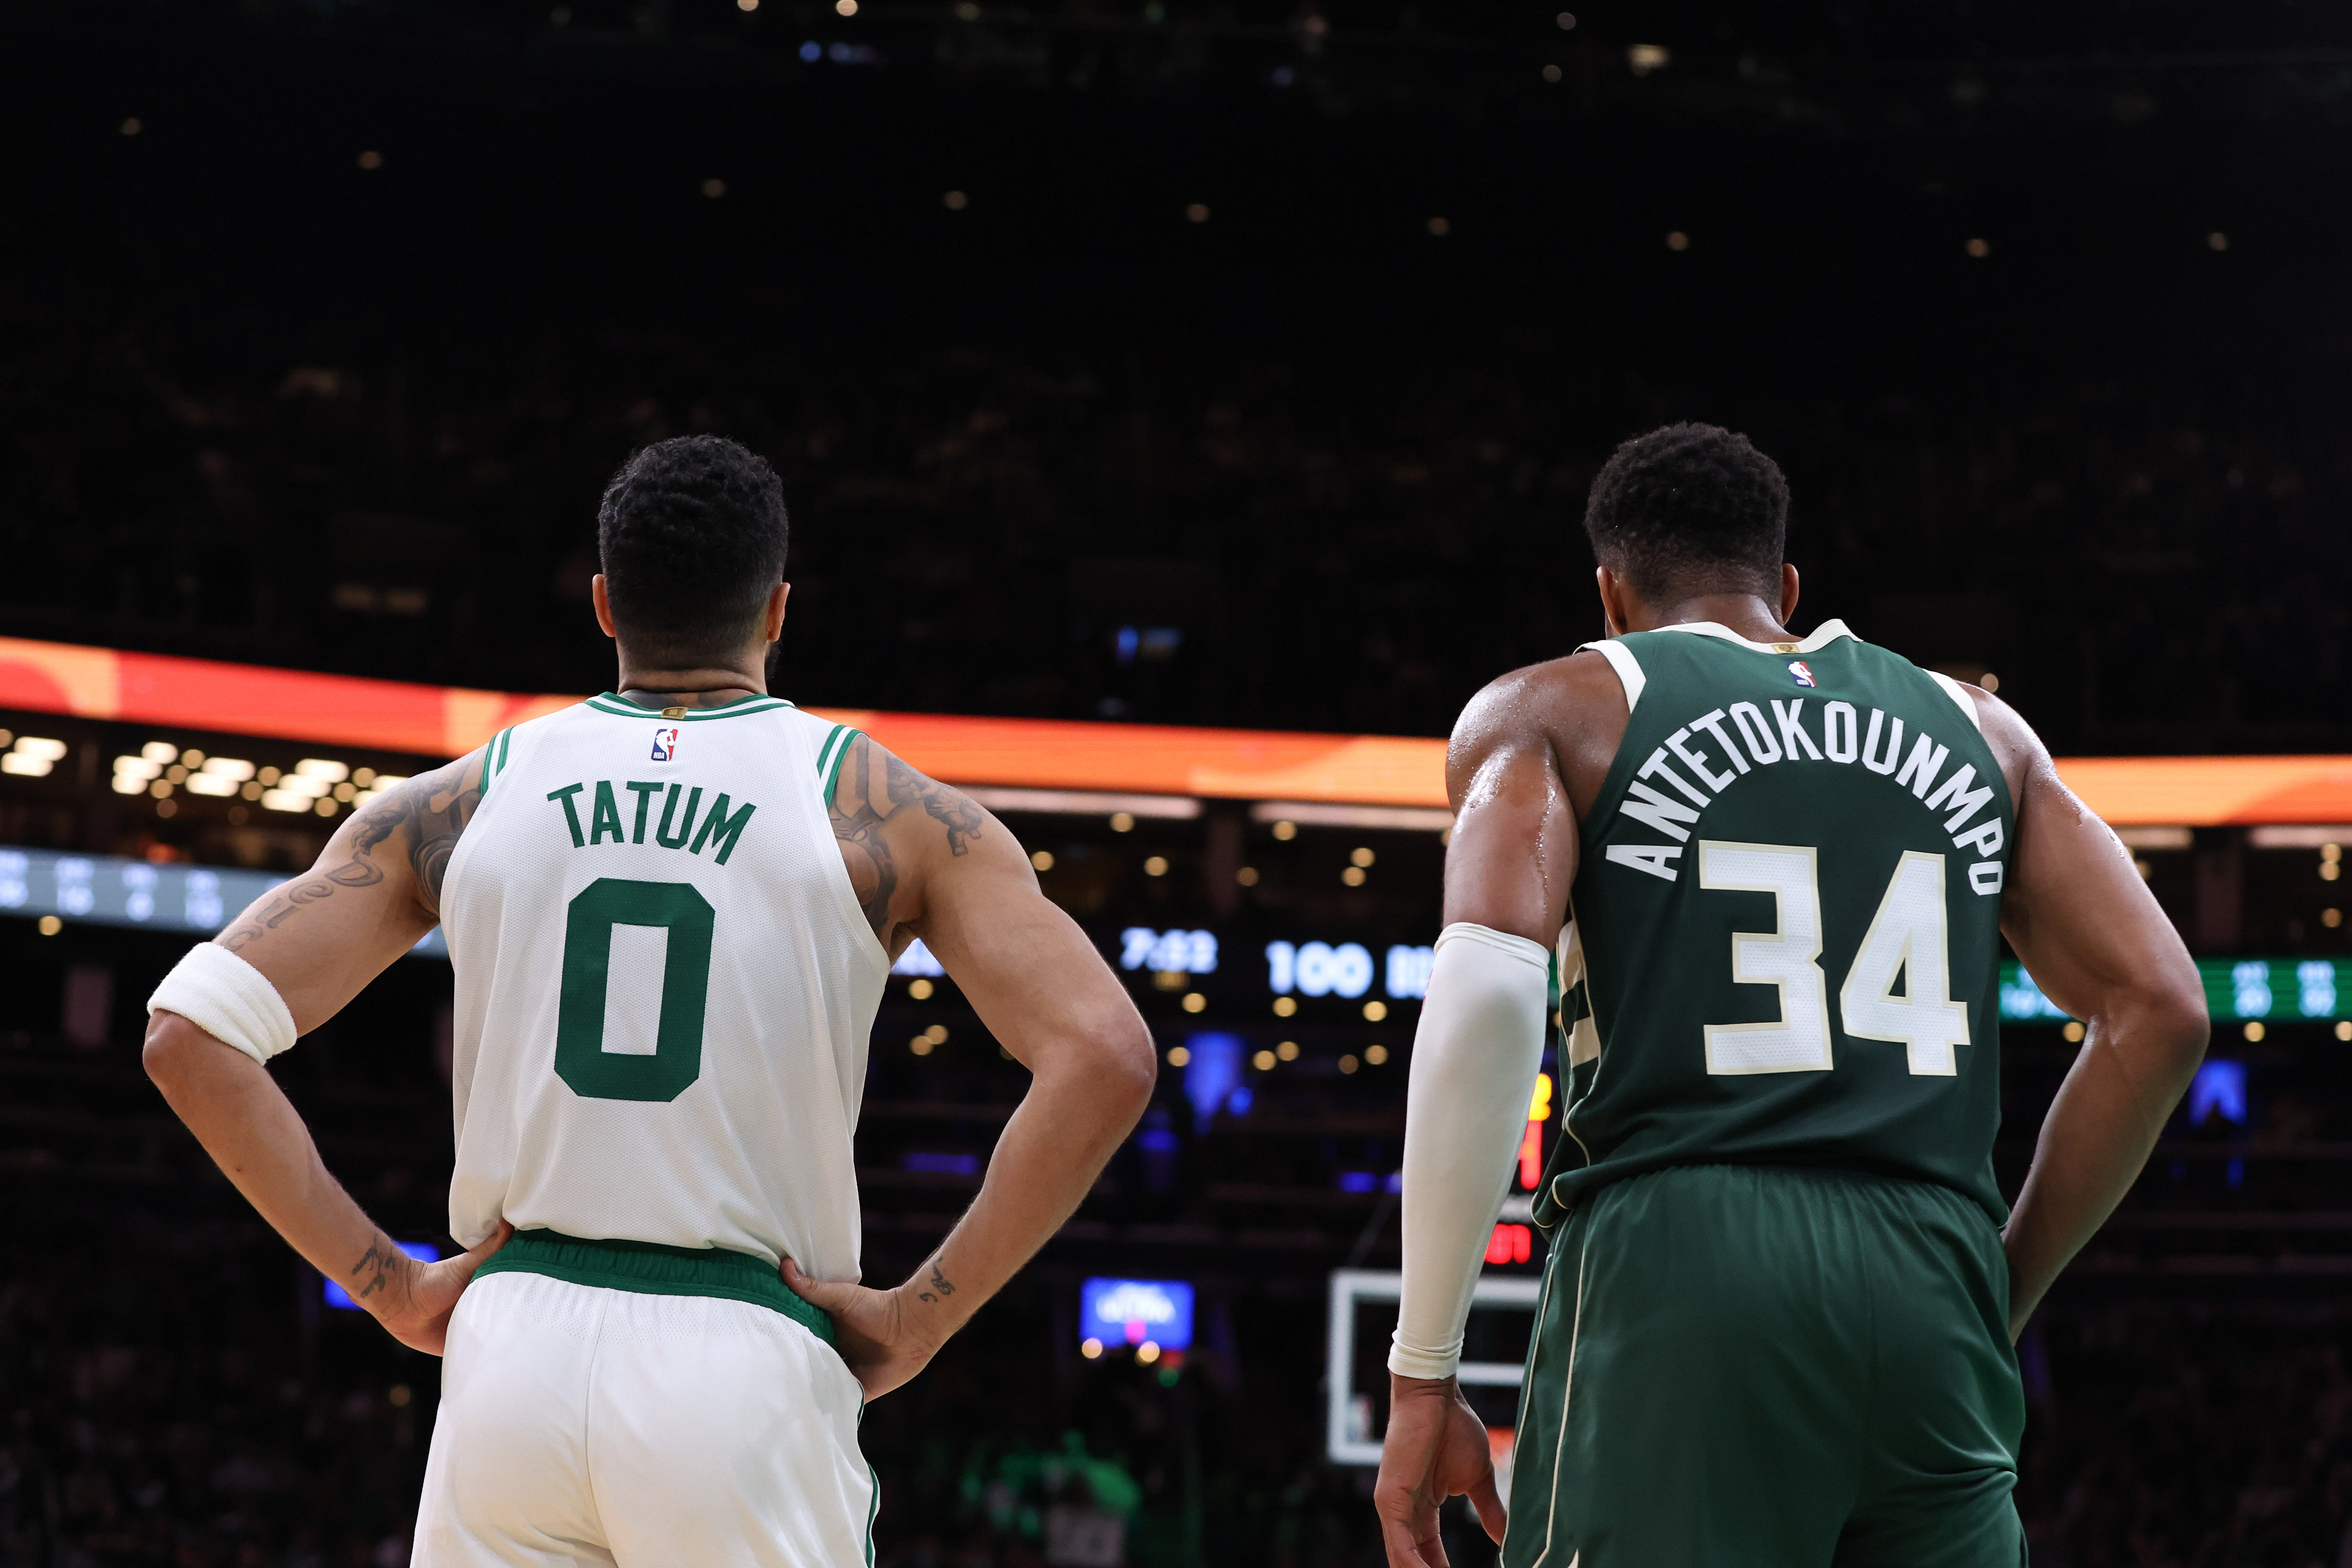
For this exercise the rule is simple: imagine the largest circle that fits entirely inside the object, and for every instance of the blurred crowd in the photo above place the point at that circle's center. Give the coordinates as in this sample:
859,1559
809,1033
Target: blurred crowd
167,1397
2166,1436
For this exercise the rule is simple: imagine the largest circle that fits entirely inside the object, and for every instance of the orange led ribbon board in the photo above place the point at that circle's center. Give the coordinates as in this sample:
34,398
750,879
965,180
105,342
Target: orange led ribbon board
220,698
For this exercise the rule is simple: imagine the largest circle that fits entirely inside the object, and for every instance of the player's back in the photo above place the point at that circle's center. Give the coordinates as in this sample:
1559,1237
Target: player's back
1785,940
665,985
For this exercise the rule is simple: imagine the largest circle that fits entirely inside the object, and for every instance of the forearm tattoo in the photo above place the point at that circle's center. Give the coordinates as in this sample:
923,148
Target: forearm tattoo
430,810
862,809
939,1285
376,1268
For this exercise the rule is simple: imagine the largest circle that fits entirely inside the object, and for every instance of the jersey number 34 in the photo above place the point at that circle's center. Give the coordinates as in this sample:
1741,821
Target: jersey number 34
1908,937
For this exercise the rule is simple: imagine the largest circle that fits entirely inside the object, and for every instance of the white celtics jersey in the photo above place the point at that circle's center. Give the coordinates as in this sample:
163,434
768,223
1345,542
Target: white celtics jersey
665,985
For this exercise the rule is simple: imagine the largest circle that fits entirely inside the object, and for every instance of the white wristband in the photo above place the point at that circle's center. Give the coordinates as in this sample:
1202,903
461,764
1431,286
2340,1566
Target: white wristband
1474,1069
228,999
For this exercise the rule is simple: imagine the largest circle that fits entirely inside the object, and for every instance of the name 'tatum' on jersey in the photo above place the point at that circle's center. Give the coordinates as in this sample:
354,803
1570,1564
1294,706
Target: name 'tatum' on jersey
665,985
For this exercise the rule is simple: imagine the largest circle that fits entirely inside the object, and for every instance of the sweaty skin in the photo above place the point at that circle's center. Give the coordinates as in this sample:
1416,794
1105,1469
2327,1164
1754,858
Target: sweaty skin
925,860
1527,763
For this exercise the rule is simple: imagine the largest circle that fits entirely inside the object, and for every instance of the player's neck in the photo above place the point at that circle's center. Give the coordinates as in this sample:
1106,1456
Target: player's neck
703,686
1744,614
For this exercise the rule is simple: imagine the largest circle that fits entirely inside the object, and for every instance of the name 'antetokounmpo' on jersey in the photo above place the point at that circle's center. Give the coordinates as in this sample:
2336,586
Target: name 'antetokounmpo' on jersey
1787,736
1784,933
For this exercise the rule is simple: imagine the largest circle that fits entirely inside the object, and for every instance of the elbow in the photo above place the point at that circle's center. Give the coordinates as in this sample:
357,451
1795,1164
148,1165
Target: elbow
2186,1029
2170,1023
1125,1068
2182,1022
167,1048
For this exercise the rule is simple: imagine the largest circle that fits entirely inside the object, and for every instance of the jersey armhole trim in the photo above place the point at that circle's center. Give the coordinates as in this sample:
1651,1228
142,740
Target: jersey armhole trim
1957,694
494,757
830,754
1629,669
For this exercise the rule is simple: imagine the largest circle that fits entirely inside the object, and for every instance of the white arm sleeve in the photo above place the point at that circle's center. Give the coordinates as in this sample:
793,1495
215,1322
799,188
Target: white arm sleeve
1474,1072
228,999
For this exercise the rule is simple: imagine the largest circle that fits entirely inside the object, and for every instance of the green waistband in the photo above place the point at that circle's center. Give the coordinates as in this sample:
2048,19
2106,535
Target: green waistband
652,1269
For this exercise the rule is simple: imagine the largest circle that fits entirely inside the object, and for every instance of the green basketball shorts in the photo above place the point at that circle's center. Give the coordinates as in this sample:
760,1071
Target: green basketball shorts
1757,1367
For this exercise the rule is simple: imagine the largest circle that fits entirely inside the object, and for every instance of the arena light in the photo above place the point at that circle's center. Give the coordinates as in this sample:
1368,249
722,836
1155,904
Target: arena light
2315,836
1137,1313
1394,818
1087,803
1175,765
32,756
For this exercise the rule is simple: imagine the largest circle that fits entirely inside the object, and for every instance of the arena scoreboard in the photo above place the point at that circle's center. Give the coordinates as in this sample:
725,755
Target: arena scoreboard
2237,990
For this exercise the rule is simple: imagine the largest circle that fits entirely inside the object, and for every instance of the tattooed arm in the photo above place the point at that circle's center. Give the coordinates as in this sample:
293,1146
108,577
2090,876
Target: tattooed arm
319,939
926,861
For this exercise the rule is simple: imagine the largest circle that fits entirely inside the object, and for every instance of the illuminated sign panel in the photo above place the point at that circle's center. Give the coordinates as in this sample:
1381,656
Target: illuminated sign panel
1345,969
1318,969
1137,1311
1168,952
1408,972
2273,990
117,890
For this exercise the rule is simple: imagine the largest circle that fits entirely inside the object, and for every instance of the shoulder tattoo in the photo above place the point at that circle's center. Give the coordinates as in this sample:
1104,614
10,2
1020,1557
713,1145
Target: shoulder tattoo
427,814
861,807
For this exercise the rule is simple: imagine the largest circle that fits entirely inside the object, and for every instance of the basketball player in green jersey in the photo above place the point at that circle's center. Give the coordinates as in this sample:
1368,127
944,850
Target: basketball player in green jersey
1782,1287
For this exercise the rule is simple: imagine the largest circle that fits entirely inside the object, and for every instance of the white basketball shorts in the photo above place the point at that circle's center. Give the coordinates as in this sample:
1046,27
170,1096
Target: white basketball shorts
581,1423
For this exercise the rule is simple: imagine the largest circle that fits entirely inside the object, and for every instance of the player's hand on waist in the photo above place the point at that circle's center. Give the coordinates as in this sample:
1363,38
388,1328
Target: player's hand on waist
1436,1448
412,1299
883,1335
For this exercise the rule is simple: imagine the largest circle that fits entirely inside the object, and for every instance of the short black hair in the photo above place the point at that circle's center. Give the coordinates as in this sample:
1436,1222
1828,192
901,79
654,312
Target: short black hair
691,535
1691,509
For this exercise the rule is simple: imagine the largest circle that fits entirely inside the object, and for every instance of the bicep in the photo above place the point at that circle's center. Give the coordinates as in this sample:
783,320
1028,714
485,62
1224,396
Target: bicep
2077,911
373,893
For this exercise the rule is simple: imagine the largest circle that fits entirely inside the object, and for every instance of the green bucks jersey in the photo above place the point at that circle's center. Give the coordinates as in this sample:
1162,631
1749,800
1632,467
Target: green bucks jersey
1784,940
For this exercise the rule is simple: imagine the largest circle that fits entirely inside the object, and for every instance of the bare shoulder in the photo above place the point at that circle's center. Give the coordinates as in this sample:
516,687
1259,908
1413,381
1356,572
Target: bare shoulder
2024,760
1559,693
1573,708
892,822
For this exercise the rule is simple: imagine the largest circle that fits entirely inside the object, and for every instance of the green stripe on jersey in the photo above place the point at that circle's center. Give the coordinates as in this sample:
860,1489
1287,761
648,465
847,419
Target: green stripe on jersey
494,758
621,708
829,755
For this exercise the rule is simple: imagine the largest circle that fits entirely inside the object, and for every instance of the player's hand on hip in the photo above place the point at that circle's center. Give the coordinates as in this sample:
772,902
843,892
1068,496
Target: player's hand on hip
415,1309
875,1330
1436,1448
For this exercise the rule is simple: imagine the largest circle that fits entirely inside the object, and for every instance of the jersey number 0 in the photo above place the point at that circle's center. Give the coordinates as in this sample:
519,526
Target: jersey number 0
580,1058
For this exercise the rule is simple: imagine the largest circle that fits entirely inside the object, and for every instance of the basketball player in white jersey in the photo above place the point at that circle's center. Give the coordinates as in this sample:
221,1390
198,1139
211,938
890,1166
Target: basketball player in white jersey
671,912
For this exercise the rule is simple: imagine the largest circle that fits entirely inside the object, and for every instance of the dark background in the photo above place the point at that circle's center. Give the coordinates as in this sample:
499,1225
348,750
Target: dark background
264,402
261,402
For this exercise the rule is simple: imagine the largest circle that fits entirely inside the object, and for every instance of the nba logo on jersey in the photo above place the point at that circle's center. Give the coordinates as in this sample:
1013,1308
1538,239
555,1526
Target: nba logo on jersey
666,742
1796,672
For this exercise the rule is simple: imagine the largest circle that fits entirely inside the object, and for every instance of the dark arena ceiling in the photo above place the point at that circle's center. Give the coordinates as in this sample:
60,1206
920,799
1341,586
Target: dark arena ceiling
1295,331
